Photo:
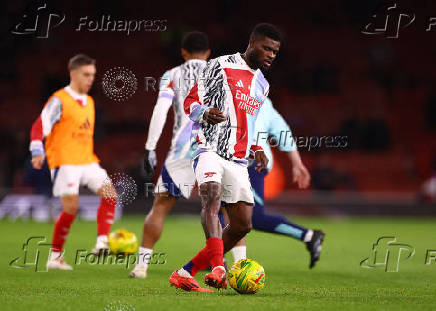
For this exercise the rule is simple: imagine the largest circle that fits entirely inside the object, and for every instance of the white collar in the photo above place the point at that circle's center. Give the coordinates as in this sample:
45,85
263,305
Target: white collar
75,95
196,60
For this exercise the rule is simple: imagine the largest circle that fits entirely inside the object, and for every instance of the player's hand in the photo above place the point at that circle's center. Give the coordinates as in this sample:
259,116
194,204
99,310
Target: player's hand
301,176
38,161
213,116
150,162
261,161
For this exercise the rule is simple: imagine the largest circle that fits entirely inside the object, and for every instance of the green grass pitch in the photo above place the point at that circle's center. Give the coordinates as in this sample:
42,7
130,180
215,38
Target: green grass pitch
338,282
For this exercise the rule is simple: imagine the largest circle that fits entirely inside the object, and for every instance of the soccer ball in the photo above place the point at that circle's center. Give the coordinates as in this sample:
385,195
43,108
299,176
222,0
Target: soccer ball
246,276
122,241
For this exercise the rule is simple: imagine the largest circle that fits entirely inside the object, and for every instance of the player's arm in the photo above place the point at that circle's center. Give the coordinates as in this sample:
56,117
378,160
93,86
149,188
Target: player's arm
43,125
199,94
158,119
281,133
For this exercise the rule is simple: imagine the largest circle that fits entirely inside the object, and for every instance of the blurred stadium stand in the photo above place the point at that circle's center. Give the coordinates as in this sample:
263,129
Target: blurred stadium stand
329,79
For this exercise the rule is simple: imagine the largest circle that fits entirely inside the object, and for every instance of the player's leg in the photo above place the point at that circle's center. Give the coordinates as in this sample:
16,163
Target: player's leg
176,180
239,251
212,253
97,180
153,224
162,205
278,224
236,193
240,214
65,185
267,222
208,171
210,193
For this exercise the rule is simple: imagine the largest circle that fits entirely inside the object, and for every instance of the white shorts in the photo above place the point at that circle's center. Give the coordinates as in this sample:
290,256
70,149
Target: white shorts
68,178
233,177
177,178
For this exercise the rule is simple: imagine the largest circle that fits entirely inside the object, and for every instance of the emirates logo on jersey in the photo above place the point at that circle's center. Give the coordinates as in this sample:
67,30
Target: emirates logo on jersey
85,125
247,103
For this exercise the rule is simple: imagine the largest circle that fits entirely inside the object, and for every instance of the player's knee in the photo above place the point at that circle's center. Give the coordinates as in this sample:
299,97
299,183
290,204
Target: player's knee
247,227
71,209
162,205
210,192
242,229
70,204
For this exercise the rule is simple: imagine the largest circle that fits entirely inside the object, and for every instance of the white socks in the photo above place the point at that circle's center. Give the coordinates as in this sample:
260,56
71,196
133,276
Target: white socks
144,257
308,236
184,273
55,255
239,252
102,239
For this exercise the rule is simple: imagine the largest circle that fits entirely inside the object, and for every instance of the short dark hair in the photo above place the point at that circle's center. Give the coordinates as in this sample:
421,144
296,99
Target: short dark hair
80,60
195,41
266,30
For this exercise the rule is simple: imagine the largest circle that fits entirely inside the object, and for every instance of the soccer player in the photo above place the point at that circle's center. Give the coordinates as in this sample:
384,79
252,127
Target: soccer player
67,125
224,105
177,178
272,128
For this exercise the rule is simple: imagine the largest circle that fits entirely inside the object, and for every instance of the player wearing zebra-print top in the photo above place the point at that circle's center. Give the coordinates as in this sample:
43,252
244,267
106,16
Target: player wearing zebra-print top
238,91
224,104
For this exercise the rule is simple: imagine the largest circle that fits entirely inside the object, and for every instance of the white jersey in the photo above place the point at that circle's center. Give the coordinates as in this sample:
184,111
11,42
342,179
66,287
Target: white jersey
174,86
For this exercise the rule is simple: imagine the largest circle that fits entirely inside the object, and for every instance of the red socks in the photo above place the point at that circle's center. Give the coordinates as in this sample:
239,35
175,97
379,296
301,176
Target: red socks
215,251
211,255
61,230
105,218
200,261
105,215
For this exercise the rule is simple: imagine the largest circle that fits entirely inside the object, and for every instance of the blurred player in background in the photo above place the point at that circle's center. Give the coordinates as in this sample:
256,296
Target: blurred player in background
272,128
177,178
67,125
224,105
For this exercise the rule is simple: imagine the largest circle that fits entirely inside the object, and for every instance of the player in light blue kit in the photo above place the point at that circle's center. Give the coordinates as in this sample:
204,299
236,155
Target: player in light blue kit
272,128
